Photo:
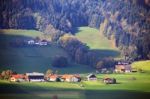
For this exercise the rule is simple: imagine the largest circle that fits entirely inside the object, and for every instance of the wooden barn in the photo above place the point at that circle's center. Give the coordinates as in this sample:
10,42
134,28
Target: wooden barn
91,77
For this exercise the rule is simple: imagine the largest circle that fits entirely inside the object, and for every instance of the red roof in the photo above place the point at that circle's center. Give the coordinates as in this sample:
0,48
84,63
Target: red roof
107,78
18,76
69,76
53,76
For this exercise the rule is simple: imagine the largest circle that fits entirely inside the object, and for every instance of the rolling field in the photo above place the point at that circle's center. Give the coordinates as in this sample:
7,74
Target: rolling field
94,39
31,59
97,42
144,65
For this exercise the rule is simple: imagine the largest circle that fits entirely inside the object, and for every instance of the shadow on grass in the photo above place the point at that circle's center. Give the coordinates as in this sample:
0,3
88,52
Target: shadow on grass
27,91
116,94
24,59
75,30
106,53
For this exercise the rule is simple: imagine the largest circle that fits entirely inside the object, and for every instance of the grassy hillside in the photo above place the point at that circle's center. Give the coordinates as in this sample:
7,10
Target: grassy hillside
97,42
26,33
29,59
144,65
93,38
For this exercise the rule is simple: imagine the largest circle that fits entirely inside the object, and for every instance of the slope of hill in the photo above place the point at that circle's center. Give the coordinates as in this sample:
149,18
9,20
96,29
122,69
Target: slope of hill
144,65
127,21
97,42
94,39
30,59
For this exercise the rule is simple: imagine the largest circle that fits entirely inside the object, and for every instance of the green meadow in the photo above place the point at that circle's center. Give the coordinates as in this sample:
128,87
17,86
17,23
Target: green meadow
144,65
97,42
94,39
126,88
31,59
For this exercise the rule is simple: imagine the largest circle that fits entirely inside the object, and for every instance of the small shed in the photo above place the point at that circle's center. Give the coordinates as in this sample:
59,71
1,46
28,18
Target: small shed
91,77
109,80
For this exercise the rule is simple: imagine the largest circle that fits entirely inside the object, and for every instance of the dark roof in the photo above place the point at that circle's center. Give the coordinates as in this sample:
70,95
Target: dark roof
91,76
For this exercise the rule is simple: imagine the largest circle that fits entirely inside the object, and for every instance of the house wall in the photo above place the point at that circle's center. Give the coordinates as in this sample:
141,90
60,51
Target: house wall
13,79
92,79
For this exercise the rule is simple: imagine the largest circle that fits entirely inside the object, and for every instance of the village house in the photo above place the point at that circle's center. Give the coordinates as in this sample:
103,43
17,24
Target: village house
123,67
53,77
71,78
17,78
109,80
91,77
35,77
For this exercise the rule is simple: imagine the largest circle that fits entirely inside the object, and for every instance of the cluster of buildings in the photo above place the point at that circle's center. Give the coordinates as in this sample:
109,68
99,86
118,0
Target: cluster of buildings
30,42
38,42
35,77
121,67
40,77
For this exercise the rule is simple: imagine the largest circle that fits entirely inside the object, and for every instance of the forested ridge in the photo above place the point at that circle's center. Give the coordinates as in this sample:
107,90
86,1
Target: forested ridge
126,22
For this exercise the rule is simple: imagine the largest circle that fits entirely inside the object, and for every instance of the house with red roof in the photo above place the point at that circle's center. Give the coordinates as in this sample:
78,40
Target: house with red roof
17,78
53,77
71,78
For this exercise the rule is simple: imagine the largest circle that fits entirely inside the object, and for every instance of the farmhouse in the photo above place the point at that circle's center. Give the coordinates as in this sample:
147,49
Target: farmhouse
122,67
91,77
35,77
71,78
17,78
53,77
